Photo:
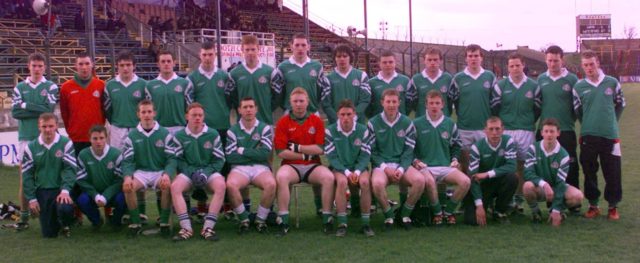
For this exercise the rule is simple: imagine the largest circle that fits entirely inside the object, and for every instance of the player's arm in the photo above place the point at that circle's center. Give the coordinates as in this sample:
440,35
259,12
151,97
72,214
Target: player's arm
406,158
278,83
364,158
28,176
262,152
232,88
19,107
234,154
412,97
181,161
106,103
496,99
64,106
455,144
275,92
530,168
227,90
327,105
376,159
364,96
619,101
474,166
83,179
116,185
332,153
69,168
171,165
217,162
453,94
577,105
128,165
537,102
560,187
189,92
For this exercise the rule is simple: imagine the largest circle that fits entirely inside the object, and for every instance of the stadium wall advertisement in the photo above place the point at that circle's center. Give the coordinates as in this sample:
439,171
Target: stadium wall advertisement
232,53
9,147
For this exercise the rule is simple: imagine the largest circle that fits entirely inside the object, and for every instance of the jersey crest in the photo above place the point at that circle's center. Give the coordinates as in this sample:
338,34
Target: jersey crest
262,80
178,88
501,152
96,94
59,153
355,82
43,93
486,84
137,94
110,165
566,87
159,143
207,145
400,133
313,73
608,91
357,142
220,83
555,165
255,137
399,88
312,130
444,135
443,89
529,94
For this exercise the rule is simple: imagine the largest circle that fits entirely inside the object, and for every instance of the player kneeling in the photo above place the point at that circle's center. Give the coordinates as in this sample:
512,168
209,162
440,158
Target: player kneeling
436,157
148,162
200,159
248,151
348,151
299,140
545,173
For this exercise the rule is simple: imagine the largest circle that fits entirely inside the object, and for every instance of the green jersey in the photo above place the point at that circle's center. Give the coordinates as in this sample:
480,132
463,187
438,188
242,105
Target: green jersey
353,86
254,83
249,146
391,141
151,151
437,141
48,166
471,97
599,106
421,84
120,101
378,85
557,99
170,98
347,150
517,104
495,161
29,101
309,75
100,174
212,91
542,167
201,151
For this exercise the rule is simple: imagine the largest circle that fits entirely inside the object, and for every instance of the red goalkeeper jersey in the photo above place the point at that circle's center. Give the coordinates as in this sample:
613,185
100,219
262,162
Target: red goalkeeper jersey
81,108
310,131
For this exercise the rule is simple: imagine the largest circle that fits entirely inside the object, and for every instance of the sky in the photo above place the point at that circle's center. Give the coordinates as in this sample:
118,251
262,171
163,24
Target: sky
489,23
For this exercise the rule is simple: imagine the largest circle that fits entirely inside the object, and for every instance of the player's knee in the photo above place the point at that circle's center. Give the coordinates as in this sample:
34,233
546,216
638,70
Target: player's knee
65,209
528,187
463,182
429,182
364,183
341,182
269,185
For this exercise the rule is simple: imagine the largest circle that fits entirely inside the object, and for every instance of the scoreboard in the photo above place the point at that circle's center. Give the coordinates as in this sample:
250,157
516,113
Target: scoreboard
593,26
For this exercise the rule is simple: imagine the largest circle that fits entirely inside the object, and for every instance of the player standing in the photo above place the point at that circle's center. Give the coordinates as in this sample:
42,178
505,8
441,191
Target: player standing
431,78
386,79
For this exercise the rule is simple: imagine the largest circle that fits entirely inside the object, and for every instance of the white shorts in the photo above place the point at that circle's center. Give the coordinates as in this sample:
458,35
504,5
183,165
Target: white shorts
117,136
523,140
22,145
470,137
174,129
439,172
209,178
148,179
250,171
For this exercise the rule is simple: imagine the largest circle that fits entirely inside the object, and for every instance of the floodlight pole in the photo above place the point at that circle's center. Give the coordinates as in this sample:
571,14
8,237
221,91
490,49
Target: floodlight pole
305,13
218,35
410,39
91,40
47,43
366,40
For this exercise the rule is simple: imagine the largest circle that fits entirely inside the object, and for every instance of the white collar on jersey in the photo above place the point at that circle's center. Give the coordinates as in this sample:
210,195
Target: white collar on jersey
491,146
600,79
252,70
395,74
156,126
345,75
293,61
133,79
518,85
35,84
249,131
175,76
466,71
563,73
353,128
104,152
48,146
207,74
434,123
384,118
426,76
196,135
554,151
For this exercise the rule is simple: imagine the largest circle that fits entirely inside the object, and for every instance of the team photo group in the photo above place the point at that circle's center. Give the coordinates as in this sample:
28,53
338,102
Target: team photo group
471,148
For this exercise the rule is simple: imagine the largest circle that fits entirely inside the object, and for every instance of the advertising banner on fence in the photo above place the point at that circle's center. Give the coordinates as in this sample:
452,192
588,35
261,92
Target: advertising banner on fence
232,54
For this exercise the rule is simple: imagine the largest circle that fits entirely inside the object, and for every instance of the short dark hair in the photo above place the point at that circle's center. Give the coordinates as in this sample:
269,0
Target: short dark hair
98,128
163,52
248,98
47,116
144,102
551,122
387,53
390,92
299,36
433,51
493,119
36,57
125,55
346,103
249,40
515,55
82,55
207,45
554,50
589,54
473,48
344,49
434,93
194,105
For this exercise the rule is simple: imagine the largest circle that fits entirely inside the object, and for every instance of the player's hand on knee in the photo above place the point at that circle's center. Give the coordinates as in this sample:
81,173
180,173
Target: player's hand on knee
397,174
555,218
34,206
165,182
481,216
419,165
480,176
548,192
353,179
100,200
127,185
64,198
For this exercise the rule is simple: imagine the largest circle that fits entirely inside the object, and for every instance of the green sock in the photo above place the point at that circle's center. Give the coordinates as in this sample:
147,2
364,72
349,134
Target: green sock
406,210
318,201
142,203
342,218
285,217
403,198
134,216
326,217
388,213
452,205
24,216
366,218
158,204
436,208
243,216
594,202
164,215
